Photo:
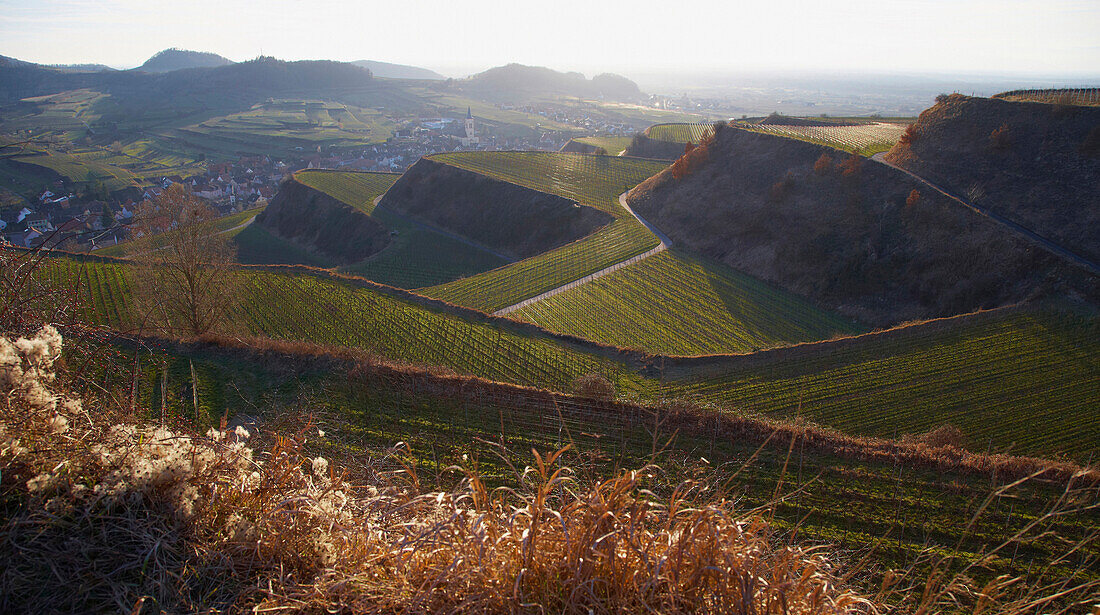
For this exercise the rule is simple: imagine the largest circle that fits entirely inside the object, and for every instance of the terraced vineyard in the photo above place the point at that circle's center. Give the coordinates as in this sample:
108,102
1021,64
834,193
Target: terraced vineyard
592,180
417,256
613,145
309,308
672,303
1021,380
901,508
679,133
78,170
358,189
1024,380
865,139
221,225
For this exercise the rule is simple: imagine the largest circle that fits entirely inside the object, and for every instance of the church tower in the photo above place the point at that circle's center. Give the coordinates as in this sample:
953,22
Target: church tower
471,130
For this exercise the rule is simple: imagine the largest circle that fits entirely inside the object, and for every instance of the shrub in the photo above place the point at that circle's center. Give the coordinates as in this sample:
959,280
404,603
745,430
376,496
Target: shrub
102,516
1091,145
1001,138
693,158
941,98
911,134
594,386
781,189
944,435
823,165
851,167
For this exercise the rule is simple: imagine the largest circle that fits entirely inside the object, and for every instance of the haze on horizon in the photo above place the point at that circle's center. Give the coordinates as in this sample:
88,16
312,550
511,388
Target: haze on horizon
1001,37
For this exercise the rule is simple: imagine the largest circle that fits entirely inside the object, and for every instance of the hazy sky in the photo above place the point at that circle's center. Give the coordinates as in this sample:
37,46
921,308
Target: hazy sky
1046,37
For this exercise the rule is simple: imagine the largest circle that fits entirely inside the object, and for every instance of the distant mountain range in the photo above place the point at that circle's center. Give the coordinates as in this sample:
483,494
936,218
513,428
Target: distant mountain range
176,59
398,71
80,68
259,78
196,76
516,80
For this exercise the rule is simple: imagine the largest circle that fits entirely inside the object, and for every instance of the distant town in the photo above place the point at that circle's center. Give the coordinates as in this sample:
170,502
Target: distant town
87,218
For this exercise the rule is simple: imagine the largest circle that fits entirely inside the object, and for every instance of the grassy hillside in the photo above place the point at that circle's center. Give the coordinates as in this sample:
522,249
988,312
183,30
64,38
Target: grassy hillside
225,224
672,303
865,139
1022,380
1033,163
592,180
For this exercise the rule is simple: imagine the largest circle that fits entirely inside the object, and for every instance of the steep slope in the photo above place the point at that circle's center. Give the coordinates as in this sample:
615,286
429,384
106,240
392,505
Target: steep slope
176,59
1036,164
501,215
320,223
849,233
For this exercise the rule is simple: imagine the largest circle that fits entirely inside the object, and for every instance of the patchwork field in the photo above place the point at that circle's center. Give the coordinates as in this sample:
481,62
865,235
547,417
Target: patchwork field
592,180
675,304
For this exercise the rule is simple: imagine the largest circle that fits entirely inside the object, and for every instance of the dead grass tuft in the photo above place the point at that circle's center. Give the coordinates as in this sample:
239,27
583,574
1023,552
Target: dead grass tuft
104,512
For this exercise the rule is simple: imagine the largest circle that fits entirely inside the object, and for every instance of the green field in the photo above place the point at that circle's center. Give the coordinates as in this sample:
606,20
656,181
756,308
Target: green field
1019,380
592,180
417,256
679,133
672,303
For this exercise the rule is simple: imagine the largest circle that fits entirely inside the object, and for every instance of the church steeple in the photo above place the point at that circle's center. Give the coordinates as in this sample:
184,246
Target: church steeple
469,115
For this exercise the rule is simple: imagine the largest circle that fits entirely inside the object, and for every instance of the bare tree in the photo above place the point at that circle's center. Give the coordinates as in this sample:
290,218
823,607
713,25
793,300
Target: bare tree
184,283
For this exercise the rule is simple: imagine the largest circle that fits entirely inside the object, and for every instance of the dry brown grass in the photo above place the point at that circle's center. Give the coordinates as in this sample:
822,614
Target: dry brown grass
106,513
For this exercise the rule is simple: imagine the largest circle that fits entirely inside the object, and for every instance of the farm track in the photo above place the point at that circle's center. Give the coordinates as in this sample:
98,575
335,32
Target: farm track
661,247
1027,233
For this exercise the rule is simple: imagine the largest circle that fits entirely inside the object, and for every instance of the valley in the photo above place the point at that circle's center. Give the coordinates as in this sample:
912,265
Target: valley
524,282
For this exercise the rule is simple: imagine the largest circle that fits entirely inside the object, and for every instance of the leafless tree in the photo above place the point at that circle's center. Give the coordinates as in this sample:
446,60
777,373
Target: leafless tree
184,283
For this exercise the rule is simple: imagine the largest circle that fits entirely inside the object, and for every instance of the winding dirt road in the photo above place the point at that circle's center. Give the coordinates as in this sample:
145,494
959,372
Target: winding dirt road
664,244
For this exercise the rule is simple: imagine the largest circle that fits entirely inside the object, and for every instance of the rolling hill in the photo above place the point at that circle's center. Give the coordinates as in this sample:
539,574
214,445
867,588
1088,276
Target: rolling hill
177,59
516,81
850,234
1034,163
386,70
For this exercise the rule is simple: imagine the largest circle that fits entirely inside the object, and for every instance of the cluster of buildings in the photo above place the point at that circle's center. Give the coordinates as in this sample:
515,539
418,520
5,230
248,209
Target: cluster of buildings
63,217
82,222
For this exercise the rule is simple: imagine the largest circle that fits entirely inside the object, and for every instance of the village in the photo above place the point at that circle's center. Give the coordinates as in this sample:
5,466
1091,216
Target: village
83,216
